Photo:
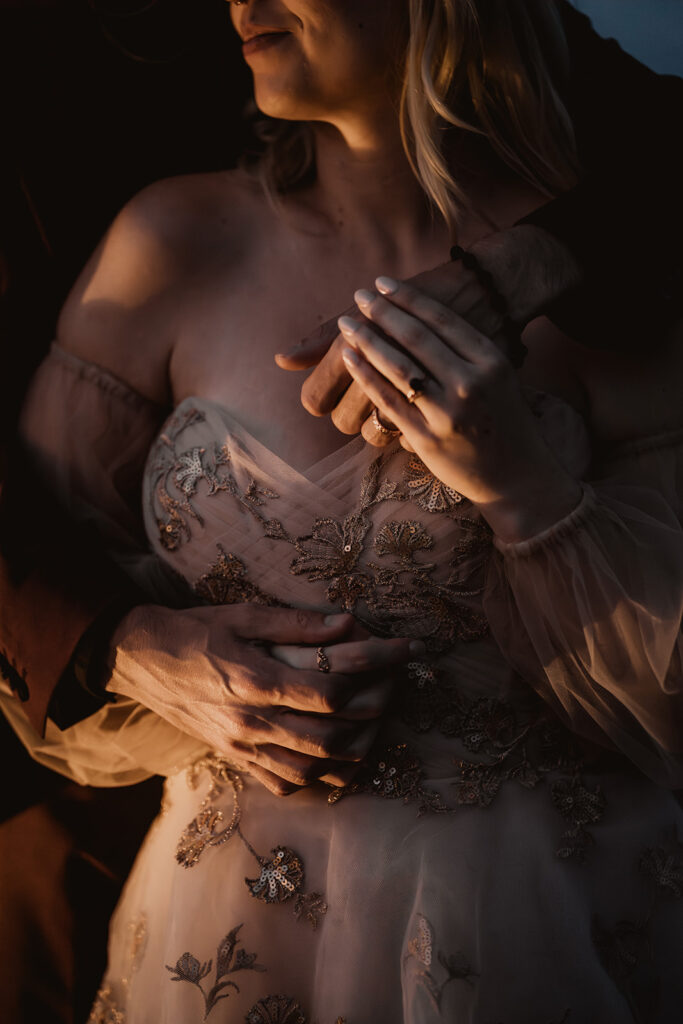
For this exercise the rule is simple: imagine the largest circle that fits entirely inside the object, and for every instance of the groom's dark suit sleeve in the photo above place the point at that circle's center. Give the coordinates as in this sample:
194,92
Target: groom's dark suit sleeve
623,223
55,582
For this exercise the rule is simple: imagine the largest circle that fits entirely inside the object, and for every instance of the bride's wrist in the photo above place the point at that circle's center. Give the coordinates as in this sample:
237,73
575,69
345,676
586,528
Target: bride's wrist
528,509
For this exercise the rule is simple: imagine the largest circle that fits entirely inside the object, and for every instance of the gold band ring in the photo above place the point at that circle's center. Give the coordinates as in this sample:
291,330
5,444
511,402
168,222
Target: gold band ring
382,428
322,660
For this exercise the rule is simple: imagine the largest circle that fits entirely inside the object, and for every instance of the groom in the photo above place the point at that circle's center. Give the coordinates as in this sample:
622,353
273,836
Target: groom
602,261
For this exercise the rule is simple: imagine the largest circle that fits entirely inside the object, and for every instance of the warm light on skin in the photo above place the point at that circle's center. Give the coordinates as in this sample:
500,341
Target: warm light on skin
341,70
129,283
337,66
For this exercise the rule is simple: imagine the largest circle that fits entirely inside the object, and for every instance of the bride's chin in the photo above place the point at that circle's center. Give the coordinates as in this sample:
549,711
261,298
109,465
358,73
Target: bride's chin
281,104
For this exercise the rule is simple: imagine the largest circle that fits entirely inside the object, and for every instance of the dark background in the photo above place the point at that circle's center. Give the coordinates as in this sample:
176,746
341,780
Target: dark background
99,98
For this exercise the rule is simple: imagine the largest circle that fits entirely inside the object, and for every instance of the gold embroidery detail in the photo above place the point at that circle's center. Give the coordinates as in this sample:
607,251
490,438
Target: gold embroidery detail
281,876
183,472
427,491
227,582
207,828
394,775
104,1010
402,599
229,960
421,949
276,1010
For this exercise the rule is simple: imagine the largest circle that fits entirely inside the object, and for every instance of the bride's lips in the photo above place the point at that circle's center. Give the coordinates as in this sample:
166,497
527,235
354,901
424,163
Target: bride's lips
262,42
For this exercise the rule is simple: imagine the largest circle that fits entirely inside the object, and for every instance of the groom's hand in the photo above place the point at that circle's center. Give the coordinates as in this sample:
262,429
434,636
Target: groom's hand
530,268
246,680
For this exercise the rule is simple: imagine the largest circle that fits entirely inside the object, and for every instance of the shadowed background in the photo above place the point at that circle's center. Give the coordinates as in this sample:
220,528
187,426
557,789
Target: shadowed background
101,97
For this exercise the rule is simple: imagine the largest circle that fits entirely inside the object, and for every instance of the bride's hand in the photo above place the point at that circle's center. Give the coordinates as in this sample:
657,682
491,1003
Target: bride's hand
456,400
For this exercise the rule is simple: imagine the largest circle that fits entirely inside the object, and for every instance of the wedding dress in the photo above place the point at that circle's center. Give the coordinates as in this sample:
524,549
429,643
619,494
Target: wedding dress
505,857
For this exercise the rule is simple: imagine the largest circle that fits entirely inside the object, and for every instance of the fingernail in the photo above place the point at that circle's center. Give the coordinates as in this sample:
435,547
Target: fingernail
363,297
386,285
334,620
350,357
417,647
346,325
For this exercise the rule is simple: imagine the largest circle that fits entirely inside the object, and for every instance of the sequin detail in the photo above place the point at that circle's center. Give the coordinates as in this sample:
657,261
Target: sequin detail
106,1009
663,867
397,596
209,828
227,582
177,475
427,491
394,596
230,959
451,967
394,774
281,877
276,1010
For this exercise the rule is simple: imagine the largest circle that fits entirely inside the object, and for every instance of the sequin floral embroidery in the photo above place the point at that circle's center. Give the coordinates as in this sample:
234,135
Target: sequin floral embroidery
281,877
452,967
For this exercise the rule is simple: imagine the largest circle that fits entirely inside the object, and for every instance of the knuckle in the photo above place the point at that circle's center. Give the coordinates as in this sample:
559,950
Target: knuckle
302,618
240,721
414,334
361,662
345,419
441,318
331,700
471,389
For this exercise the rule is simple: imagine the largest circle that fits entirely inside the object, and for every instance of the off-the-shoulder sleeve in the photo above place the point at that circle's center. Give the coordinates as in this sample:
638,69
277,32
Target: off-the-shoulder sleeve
589,611
87,434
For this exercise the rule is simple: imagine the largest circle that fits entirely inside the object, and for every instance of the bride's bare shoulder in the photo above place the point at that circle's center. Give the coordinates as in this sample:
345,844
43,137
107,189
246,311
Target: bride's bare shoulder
122,309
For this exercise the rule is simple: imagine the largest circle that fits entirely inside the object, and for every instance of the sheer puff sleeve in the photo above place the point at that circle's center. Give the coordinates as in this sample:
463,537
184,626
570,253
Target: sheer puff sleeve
589,611
87,435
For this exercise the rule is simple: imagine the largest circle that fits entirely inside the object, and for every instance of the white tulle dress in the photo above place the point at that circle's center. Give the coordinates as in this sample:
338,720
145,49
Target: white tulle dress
510,854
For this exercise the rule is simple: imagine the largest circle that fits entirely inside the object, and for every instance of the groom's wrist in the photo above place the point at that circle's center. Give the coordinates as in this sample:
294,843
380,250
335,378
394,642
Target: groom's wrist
530,268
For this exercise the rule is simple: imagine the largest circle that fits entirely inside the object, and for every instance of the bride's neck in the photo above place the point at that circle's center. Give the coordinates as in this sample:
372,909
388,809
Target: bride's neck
366,188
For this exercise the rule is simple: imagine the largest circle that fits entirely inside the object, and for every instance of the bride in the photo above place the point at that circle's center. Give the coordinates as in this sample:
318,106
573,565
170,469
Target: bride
471,833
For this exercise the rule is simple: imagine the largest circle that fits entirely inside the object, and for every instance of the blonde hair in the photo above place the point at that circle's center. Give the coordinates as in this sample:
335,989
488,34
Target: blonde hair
494,68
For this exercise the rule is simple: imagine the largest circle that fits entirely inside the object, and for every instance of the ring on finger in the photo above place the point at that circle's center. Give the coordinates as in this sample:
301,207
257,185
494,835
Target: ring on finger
322,661
416,389
382,428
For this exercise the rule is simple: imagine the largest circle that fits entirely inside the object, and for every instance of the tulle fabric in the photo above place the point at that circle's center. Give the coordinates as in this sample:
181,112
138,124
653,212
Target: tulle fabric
464,901
589,612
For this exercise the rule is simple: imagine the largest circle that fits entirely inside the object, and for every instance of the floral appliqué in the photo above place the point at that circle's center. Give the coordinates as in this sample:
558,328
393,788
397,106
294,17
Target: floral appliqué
452,967
395,774
626,948
281,876
400,594
182,472
230,959
427,491
279,1010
